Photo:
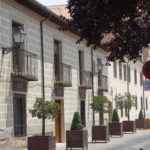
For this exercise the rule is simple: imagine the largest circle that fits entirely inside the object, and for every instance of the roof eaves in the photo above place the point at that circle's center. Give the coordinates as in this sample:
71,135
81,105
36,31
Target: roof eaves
41,10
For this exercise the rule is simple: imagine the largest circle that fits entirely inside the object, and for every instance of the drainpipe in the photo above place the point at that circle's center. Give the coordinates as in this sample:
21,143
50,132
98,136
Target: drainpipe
42,72
93,112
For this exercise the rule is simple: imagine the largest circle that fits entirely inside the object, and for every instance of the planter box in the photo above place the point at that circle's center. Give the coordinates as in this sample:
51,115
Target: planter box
129,126
41,143
140,123
147,122
77,139
100,133
115,129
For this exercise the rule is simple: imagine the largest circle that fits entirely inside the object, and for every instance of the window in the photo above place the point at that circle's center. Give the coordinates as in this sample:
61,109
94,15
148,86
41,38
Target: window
141,102
135,76
136,103
146,104
120,70
100,78
141,79
99,64
129,74
125,72
115,69
81,65
82,111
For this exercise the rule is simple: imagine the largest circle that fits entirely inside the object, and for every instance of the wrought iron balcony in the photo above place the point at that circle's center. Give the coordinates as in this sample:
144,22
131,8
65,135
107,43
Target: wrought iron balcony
103,83
63,77
86,80
25,65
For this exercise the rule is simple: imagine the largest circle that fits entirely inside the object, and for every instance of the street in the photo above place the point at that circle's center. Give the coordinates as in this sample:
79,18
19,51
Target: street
141,139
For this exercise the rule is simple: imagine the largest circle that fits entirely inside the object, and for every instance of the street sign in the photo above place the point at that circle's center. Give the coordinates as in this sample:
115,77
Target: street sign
147,85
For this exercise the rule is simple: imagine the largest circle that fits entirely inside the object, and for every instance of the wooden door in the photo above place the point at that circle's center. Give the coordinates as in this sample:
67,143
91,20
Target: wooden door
59,123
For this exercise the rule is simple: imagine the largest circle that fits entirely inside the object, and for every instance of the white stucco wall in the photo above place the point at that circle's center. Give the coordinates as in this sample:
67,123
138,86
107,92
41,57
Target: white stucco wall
12,11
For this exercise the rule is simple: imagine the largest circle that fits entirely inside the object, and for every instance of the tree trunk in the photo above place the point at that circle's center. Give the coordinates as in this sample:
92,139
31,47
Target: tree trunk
101,118
128,114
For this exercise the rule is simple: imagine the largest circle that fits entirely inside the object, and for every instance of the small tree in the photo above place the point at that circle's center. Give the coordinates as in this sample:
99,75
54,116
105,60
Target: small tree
110,110
129,101
46,109
101,105
126,101
119,103
115,116
76,122
141,116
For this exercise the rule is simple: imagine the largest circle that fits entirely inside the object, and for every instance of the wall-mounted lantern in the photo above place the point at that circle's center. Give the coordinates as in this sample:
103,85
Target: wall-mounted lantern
19,38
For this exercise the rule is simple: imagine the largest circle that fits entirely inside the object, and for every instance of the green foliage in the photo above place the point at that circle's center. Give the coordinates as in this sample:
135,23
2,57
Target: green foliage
44,109
141,116
119,101
126,20
126,101
101,104
130,101
76,122
115,116
110,110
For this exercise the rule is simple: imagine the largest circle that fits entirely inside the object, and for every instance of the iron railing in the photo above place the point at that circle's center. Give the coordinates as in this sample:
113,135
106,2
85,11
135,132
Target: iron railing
64,75
25,65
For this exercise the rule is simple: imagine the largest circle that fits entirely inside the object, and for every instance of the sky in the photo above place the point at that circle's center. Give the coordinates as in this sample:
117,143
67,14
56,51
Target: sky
52,2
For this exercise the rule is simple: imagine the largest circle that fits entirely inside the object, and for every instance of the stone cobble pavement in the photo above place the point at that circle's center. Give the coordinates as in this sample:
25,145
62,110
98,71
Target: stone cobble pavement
141,139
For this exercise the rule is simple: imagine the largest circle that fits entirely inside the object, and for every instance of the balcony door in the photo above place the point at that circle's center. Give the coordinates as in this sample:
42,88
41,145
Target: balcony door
57,60
19,109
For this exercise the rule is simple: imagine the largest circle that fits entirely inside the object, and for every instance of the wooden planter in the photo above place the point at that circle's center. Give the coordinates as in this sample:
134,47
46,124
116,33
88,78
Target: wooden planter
41,143
100,133
147,122
77,139
129,126
115,129
140,123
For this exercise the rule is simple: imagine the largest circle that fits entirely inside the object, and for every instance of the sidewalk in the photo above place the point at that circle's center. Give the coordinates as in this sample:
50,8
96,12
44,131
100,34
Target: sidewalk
141,139
13,144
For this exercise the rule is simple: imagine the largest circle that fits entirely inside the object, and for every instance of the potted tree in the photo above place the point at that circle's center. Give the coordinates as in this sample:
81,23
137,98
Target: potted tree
77,137
129,102
115,127
119,99
100,132
140,122
47,110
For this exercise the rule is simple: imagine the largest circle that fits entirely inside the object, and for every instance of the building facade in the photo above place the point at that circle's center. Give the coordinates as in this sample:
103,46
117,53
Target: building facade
67,71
